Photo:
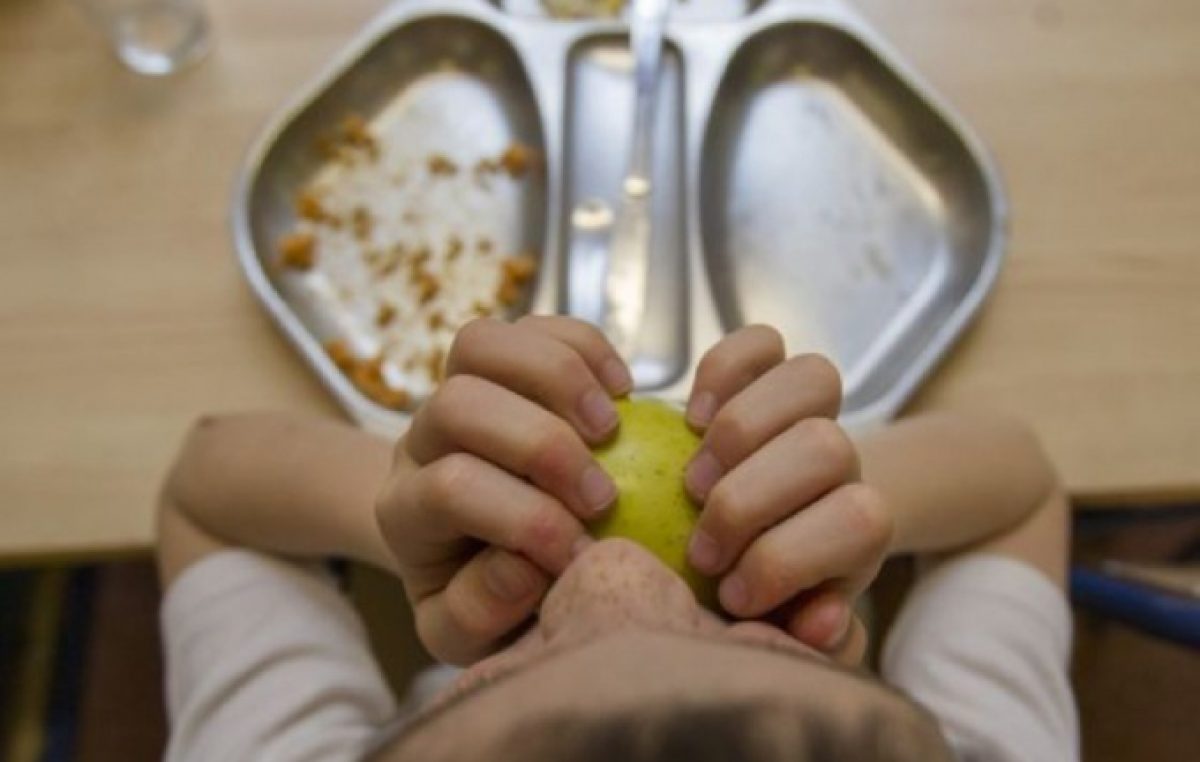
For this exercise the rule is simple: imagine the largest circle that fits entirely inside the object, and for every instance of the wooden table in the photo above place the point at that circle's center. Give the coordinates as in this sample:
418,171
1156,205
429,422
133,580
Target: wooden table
123,315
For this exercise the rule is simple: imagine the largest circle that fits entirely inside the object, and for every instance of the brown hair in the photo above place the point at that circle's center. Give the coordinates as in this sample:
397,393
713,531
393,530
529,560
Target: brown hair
754,731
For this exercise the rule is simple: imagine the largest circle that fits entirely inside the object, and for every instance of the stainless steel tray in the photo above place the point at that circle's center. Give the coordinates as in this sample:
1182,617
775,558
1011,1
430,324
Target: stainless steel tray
807,178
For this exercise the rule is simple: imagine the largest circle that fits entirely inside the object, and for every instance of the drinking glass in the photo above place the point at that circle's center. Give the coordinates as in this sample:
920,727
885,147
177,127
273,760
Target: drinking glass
154,37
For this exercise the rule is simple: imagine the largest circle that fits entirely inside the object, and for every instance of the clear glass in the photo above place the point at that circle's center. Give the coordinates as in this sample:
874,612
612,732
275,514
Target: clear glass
154,37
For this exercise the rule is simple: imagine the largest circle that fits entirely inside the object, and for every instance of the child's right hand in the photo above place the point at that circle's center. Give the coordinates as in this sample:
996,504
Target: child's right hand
491,484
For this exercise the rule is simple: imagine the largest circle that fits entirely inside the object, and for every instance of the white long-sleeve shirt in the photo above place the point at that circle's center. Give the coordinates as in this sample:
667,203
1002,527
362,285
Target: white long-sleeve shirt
267,661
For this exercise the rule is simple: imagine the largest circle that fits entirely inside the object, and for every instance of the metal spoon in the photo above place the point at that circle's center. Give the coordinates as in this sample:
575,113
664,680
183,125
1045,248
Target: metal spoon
629,251
610,251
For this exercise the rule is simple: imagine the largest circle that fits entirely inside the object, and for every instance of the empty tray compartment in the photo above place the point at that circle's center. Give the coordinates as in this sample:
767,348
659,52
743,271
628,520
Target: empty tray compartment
839,204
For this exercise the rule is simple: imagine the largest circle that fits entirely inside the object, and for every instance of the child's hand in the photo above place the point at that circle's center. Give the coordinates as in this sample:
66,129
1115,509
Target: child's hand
491,484
785,520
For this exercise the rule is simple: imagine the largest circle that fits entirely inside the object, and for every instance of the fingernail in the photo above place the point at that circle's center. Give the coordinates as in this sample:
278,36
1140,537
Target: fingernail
583,543
702,473
616,376
836,619
703,551
733,594
597,489
507,579
597,412
701,409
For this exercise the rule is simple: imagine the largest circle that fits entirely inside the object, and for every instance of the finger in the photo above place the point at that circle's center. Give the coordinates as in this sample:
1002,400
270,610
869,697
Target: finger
538,367
853,647
843,533
795,468
461,496
491,595
728,367
473,415
591,344
821,620
802,387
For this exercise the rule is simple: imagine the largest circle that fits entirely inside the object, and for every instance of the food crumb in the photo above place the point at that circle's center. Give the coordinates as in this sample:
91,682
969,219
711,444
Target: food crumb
356,133
480,309
437,321
441,164
361,222
517,159
418,260
354,128
428,287
385,315
507,293
297,251
391,261
434,365
484,245
367,376
340,354
519,269
309,206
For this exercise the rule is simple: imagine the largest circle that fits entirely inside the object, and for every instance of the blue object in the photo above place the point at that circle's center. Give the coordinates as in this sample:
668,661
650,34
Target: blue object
1167,615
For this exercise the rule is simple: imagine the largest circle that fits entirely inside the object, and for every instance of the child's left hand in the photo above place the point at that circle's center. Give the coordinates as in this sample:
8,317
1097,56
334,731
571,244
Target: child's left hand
785,520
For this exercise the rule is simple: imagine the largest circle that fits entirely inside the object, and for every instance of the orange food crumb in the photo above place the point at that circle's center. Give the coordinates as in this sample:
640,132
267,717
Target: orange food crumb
519,269
434,365
416,265
385,315
356,133
392,399
309,206
441,164
351,137
367,375
428,287
341,355
436,321
518,159
297,251
508,292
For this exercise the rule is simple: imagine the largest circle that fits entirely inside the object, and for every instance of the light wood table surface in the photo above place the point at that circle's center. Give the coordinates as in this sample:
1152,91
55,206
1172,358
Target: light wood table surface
123,314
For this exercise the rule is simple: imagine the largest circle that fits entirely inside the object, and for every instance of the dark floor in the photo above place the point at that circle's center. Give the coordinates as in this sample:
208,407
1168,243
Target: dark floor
1139,697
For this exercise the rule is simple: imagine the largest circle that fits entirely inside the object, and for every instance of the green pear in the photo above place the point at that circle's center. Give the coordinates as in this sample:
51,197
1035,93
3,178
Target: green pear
646,459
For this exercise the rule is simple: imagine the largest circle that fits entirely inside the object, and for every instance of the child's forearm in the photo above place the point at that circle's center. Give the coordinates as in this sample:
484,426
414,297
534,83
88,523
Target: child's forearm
956,480
277,483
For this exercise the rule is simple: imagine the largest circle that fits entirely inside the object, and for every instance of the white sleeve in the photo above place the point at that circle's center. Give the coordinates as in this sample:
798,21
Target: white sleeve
983,642
267,661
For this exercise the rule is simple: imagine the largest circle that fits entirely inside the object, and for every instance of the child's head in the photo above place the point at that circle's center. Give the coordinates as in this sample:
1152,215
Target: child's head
622,664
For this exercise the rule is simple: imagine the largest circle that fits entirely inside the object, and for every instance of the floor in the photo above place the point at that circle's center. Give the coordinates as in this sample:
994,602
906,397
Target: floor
83,677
